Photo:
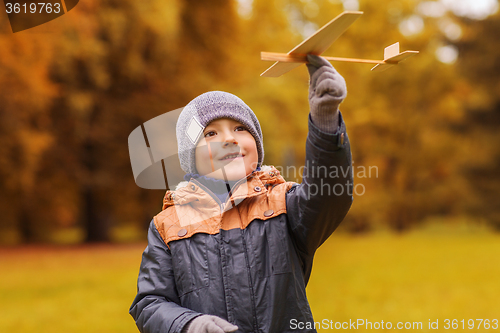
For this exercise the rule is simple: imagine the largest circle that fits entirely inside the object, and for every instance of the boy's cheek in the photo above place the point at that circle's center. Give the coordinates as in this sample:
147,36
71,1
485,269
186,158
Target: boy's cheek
202,154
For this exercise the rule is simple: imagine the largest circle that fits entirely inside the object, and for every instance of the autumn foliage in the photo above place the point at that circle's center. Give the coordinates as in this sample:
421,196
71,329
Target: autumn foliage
72,90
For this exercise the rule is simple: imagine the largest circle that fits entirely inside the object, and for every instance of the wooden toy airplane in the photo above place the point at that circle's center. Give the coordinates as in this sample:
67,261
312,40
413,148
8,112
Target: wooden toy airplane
321,40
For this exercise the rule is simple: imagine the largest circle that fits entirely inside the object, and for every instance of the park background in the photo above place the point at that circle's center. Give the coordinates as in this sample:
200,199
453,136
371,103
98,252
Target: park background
420,243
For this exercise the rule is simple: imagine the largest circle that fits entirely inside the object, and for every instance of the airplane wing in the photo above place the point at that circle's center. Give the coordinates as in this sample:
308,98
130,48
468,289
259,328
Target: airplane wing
392,57
317,43
394,60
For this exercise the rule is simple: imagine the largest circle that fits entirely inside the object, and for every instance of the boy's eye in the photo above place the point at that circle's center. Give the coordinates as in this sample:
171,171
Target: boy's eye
214,133
210,133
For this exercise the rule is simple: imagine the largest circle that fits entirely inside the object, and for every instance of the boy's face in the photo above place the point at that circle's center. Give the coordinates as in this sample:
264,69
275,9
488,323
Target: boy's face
226,143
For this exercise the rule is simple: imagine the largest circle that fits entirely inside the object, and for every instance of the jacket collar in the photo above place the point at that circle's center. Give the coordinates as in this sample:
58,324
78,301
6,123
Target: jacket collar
196,194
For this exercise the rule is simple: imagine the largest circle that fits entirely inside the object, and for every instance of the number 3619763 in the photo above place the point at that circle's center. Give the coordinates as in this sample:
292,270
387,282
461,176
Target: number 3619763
33,8
471,324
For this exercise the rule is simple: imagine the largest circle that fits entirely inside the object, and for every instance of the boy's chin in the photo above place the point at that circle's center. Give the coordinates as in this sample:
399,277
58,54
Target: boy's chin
231,171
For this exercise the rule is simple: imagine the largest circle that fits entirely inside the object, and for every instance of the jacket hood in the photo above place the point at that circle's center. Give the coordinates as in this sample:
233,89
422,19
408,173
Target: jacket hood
190,191
193,208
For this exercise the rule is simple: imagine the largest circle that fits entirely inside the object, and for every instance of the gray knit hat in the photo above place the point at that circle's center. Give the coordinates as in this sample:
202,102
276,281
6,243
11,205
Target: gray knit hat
204,109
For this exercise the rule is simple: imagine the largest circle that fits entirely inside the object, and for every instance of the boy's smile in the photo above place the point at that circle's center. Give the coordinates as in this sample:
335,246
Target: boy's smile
227,150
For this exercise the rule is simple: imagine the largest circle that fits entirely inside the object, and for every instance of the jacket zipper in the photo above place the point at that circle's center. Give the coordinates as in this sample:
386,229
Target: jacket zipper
220,203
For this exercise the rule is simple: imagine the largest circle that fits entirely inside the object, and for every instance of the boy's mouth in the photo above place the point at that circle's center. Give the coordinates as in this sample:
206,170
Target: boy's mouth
231,156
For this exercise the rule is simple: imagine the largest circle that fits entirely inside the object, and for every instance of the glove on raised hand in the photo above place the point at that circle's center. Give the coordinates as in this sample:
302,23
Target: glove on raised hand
327,89
209,324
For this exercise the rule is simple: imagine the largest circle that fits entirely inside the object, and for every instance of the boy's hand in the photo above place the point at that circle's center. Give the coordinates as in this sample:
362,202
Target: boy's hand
327,89
209,324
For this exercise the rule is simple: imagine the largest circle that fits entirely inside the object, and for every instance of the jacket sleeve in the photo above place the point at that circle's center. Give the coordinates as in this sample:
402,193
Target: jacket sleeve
156,308
316,207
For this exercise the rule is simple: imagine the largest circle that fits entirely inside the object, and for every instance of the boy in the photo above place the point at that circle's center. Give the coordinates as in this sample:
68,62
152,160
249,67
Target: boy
232,250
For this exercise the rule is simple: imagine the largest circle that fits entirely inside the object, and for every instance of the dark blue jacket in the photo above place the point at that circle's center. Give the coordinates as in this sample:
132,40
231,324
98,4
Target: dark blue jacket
254,275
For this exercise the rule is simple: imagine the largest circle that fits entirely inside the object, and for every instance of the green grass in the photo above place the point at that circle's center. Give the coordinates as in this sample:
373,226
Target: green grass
68,289
434,274
423,275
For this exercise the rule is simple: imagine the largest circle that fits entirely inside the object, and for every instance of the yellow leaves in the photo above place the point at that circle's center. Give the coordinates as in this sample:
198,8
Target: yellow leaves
450,109
481,99
107,67
80,103
24,63
80,107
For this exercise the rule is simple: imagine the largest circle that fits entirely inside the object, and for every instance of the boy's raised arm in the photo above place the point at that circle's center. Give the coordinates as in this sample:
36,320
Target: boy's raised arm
327,89
317,206
156,307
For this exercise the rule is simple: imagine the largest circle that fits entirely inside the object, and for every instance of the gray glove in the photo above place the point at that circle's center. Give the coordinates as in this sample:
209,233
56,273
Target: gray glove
209,324
327,90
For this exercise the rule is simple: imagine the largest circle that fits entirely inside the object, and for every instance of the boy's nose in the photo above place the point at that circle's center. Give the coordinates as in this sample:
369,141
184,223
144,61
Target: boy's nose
227,143
228,139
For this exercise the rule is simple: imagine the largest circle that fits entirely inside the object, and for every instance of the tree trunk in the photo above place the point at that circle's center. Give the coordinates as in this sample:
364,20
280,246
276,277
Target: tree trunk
95,222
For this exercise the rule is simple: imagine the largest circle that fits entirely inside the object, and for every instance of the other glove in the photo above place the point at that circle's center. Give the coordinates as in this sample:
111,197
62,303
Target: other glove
327,89
209,324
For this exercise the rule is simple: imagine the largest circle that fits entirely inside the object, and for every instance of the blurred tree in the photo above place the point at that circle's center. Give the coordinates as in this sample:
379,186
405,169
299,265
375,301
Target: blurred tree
115,65
208,35
24,137
120,67
71,97
479,64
